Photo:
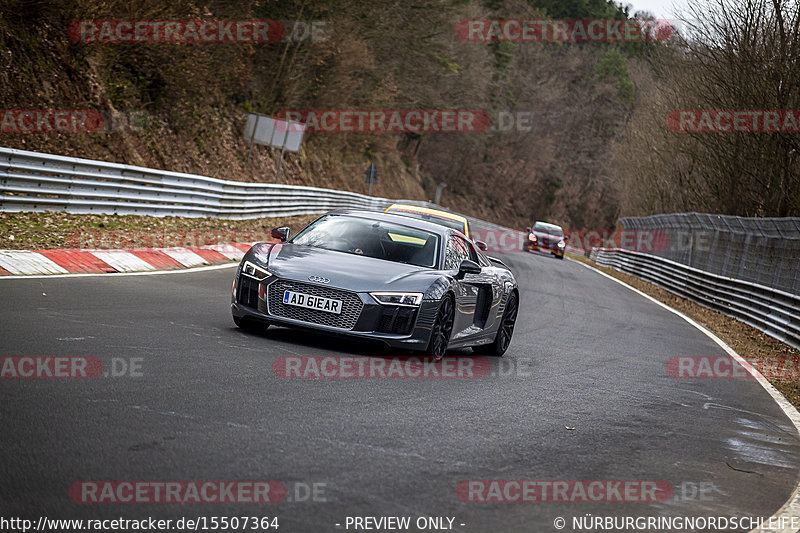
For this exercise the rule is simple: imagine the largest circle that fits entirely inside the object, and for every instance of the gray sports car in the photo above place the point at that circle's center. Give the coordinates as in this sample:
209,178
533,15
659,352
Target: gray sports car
407,283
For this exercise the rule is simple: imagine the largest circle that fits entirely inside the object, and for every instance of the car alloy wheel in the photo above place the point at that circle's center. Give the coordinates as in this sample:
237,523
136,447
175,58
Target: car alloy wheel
506,330
442,328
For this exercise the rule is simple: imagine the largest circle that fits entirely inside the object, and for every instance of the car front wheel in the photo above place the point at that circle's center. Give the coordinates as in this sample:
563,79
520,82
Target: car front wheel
505,331
442,328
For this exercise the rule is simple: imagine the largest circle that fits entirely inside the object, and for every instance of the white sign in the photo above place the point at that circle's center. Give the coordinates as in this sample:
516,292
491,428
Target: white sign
261,129
294,137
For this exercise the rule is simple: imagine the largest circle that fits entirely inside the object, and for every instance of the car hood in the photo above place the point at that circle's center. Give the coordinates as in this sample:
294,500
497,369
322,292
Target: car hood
348,271
547,238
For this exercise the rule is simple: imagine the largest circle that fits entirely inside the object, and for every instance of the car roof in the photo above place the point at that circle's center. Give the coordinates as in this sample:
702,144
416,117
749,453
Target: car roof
402,220
428,211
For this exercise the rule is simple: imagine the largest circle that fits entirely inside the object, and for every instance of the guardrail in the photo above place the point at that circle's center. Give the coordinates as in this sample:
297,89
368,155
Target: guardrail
31,181
764,250
775,312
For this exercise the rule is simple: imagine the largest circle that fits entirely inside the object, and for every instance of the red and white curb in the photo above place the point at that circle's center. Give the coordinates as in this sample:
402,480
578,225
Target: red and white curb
77,261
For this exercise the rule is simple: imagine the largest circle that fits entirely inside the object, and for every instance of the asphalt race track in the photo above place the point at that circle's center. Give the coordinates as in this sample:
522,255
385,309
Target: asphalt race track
587,354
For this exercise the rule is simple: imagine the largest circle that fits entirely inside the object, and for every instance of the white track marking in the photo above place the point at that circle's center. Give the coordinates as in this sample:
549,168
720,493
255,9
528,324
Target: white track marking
122,261
792,506
229,251
27,262
113,275
185,257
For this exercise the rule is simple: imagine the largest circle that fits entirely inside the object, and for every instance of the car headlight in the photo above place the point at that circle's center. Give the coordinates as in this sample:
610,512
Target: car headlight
411,299
252,270
561,244
531,237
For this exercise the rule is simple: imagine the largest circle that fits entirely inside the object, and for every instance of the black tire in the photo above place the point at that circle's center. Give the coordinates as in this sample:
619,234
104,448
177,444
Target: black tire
505,331
442,328
560,257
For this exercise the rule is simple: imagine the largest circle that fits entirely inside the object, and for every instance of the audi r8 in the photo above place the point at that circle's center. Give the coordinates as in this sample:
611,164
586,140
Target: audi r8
408,283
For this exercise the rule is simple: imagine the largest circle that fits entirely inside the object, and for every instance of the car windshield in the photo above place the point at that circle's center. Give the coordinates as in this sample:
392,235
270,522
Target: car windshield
381,240
550,229
430,217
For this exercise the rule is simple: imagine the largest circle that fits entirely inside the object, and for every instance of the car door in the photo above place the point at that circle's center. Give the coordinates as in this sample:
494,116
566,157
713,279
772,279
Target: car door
473,291
490,295
466,294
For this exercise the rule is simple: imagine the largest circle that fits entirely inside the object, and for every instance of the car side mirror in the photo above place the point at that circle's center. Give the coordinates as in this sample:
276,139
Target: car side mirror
468,266
282,233
481,245
566,238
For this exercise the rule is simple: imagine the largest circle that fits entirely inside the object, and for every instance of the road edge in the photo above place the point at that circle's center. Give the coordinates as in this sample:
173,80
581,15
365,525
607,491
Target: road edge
791,508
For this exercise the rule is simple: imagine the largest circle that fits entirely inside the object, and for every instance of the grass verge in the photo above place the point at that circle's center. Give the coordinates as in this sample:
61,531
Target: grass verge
53,230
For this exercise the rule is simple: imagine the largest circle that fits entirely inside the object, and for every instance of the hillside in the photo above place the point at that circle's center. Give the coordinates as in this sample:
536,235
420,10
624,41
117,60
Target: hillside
561,111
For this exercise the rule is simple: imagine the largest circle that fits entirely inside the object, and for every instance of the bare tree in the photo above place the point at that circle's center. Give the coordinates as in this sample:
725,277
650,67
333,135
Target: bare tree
739,56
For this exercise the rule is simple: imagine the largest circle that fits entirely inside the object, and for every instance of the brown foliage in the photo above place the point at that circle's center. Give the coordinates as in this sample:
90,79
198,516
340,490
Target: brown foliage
741,56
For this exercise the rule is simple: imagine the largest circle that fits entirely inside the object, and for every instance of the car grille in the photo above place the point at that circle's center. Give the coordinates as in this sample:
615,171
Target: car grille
397,319
248,292
427,316
351,304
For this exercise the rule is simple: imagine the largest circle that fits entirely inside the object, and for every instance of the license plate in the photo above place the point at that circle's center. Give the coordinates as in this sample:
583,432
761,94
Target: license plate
309,301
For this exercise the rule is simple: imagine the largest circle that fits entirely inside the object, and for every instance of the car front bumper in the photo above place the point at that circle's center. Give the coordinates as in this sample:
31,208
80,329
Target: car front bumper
388,324
534,247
